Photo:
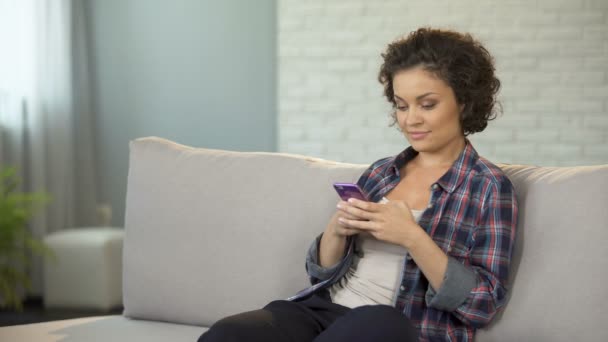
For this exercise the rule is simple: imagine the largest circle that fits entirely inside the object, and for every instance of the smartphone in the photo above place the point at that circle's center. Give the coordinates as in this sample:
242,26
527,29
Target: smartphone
348,190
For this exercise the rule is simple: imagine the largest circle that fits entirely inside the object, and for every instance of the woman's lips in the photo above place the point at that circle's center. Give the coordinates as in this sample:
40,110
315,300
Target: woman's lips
418,135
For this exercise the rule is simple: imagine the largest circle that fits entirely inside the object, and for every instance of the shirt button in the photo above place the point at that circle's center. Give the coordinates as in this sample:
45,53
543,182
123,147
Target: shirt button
430,205
402,288
435,186
408,256
449,249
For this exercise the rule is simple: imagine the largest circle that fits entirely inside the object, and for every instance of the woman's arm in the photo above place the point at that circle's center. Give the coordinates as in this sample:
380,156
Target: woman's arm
431,260
319,269
332,245
487,271
329,248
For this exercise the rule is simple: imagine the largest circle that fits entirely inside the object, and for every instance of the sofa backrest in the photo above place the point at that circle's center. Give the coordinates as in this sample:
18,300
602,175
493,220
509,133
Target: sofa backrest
560,262
210,233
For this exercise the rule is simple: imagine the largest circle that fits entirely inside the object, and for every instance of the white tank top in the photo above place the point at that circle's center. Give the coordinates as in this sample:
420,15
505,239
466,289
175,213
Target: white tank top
377,276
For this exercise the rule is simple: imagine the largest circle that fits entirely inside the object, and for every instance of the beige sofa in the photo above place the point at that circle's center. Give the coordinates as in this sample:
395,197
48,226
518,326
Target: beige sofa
211,233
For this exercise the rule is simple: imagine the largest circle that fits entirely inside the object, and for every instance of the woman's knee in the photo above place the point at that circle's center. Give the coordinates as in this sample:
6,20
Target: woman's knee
224,330
246,326
280,305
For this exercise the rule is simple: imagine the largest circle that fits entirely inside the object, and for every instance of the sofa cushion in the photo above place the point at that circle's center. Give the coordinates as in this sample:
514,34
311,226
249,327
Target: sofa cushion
113,328
210,233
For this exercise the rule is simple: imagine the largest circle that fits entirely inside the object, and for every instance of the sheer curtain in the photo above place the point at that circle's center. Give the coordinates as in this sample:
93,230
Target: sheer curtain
46,121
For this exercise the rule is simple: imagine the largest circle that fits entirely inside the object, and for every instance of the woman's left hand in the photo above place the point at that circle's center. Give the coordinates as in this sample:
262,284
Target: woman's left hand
390,222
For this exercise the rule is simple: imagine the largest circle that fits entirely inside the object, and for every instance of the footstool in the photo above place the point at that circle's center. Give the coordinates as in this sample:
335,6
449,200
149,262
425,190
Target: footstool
87,272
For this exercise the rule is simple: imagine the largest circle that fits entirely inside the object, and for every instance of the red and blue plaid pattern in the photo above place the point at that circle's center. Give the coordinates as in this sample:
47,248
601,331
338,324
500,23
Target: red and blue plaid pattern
472,216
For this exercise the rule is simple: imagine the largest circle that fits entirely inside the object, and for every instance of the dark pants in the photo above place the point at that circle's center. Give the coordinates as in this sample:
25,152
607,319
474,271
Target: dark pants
313,319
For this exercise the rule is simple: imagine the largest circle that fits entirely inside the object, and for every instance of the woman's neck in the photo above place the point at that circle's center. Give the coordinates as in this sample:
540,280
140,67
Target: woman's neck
442,158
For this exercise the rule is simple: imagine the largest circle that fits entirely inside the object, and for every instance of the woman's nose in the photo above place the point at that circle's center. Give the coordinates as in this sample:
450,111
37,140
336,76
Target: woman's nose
412,118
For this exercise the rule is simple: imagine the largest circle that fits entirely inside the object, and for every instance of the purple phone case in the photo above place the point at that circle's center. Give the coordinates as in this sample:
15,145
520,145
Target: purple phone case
348,190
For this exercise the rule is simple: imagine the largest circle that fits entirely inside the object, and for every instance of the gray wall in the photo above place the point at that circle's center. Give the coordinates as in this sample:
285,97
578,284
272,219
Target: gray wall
198,72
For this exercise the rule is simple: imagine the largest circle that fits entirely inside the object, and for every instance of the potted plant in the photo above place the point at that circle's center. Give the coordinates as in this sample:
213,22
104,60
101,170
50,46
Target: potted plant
17,244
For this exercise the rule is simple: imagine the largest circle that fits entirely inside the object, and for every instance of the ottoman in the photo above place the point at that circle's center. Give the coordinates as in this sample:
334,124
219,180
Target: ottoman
87,272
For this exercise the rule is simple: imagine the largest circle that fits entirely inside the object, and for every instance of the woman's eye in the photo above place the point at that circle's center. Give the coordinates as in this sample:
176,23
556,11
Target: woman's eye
402,108
429,106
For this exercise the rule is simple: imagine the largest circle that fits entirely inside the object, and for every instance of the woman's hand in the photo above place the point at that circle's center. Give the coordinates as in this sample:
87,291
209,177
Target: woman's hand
333,241
391,222
337,228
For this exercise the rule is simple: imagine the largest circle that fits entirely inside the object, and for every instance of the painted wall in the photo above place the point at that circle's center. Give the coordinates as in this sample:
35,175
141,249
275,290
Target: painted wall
202,73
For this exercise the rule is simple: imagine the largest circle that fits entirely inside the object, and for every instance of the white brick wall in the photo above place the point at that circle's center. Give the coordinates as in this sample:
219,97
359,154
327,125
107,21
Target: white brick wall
551,57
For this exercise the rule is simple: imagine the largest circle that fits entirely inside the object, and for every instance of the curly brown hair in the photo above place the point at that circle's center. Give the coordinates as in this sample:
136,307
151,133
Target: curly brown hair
457,59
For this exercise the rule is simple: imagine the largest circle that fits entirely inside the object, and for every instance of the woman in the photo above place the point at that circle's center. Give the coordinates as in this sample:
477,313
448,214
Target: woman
428,257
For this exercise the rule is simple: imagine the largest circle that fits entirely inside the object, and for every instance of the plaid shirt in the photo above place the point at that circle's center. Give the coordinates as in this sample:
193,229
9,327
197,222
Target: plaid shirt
471,215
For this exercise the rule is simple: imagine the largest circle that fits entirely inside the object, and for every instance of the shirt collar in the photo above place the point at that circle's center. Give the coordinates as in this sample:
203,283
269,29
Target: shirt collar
455,174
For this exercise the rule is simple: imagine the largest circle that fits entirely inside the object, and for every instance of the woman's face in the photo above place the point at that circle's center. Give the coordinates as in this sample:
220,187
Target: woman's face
427,110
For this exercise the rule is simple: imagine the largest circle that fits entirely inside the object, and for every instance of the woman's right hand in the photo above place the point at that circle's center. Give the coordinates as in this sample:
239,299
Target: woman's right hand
333,241
334,227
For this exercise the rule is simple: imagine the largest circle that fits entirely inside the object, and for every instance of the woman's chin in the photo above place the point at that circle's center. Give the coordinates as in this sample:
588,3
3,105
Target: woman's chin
418,145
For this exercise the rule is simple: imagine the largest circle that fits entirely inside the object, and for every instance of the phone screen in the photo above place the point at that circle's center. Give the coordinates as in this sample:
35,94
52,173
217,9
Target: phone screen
348,190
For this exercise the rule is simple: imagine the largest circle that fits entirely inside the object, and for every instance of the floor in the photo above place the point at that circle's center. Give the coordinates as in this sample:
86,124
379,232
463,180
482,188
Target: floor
34,312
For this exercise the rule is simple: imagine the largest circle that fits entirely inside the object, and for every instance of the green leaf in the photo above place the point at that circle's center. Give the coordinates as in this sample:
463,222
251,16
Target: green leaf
17,243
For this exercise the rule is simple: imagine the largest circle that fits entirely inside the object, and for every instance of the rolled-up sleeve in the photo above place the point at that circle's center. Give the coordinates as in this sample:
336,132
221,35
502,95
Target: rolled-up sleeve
318,273
457,284
474,291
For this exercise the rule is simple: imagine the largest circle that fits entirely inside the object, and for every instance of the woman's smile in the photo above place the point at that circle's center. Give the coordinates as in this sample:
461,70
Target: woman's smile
418,135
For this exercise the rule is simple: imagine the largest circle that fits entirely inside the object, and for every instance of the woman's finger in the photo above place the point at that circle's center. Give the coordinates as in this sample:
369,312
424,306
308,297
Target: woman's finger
371,207
348,216
355,213
356,224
